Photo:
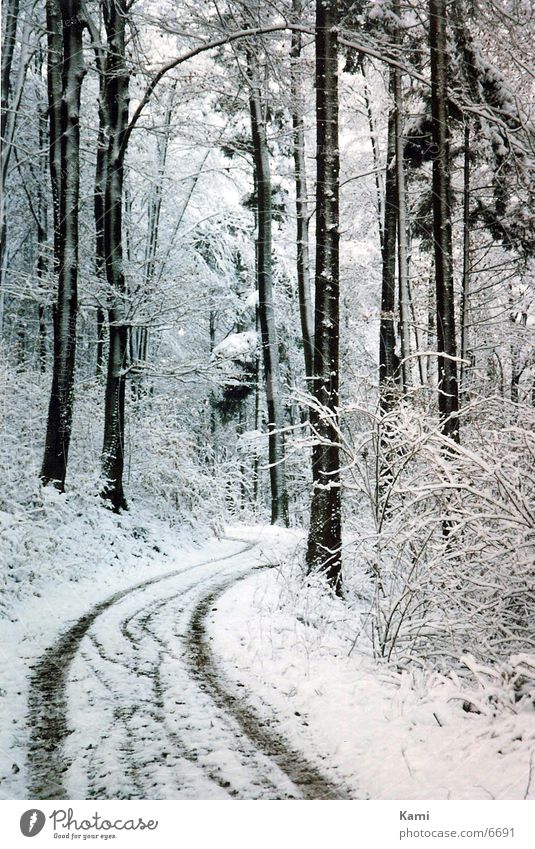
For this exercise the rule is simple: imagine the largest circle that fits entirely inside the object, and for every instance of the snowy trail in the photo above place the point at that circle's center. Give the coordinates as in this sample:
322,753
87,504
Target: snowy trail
129,702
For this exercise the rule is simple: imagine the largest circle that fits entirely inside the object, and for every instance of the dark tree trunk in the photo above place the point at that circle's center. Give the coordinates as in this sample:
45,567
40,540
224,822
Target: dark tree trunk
387,333
9,39
448,388
403,268
65,74
41,269
139,336
116,115
8,49
324,551
268,331
42,228
465,294
301,202
42,339
98,208
101,336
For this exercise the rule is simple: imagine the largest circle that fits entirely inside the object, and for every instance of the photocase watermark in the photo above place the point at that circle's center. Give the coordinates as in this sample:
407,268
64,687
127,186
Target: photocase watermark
68,827
32,822
96,825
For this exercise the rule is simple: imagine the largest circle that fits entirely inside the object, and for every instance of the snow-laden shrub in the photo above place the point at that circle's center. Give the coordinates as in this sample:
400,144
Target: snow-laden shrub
505,686
449,548
174,488
172,461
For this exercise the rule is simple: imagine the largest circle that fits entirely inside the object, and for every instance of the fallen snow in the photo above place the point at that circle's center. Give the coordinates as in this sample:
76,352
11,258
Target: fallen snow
294,652
99,554
385,735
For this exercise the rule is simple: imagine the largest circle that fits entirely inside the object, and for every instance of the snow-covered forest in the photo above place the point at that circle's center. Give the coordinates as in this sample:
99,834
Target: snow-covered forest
268,370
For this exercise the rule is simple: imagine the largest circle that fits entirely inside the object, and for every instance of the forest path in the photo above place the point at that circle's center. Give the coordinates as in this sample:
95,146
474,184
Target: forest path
129,702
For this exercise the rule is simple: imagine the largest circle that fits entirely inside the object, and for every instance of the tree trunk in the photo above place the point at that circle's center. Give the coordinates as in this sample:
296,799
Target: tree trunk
387,333
448,388
324,551
376,159
101,335
417,329
98,208
403,270
65,74
42,227
268,332
11,100
116,113
301,202
8,48
465,294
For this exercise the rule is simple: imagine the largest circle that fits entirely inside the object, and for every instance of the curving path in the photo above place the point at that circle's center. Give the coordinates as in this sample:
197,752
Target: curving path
129,703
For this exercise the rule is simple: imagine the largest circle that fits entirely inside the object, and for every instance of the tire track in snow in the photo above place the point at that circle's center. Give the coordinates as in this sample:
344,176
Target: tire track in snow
47,702
306,777
189,740
250,761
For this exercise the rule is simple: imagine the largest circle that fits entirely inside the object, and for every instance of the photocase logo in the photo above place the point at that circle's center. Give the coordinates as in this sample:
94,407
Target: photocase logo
32,822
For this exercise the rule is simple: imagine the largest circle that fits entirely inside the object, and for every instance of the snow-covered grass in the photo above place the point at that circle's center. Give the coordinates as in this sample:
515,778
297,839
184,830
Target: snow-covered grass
56,567
384,734
99,554
296,652
300,654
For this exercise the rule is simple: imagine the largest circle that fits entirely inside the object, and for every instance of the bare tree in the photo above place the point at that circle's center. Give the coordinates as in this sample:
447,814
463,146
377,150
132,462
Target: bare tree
301,200
266,312
325,532
387,332
115,110
448,388
66,69
11,96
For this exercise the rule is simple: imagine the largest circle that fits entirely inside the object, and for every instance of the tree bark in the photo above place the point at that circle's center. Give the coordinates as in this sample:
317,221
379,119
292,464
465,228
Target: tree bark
403,270
448,387
8,49
42,226
11,96
465,293
268,331
65,74
116,115
376,159
139,336
101,336
98,209
324,551
301,202
387,333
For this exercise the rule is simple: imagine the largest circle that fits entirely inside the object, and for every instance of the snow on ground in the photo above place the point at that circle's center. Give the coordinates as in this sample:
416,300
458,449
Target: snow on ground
58,562
284,648
57,567
385,735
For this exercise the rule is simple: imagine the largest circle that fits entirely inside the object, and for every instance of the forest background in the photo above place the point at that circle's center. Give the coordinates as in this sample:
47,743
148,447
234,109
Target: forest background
271,262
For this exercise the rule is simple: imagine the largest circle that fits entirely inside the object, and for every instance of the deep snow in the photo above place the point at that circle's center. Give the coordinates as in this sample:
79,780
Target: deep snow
288,652
387,735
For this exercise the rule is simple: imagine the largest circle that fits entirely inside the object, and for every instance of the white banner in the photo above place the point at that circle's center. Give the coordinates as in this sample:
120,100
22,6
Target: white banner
275,824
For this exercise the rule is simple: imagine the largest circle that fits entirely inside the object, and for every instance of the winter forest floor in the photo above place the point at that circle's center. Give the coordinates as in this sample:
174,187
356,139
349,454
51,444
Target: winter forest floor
181,670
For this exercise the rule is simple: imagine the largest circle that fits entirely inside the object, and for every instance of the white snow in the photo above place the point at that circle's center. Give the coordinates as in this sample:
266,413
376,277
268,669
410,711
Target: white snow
383,734
288,650
237,345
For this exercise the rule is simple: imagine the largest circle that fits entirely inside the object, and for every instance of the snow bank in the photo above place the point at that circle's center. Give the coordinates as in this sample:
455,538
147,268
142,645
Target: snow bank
382,734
